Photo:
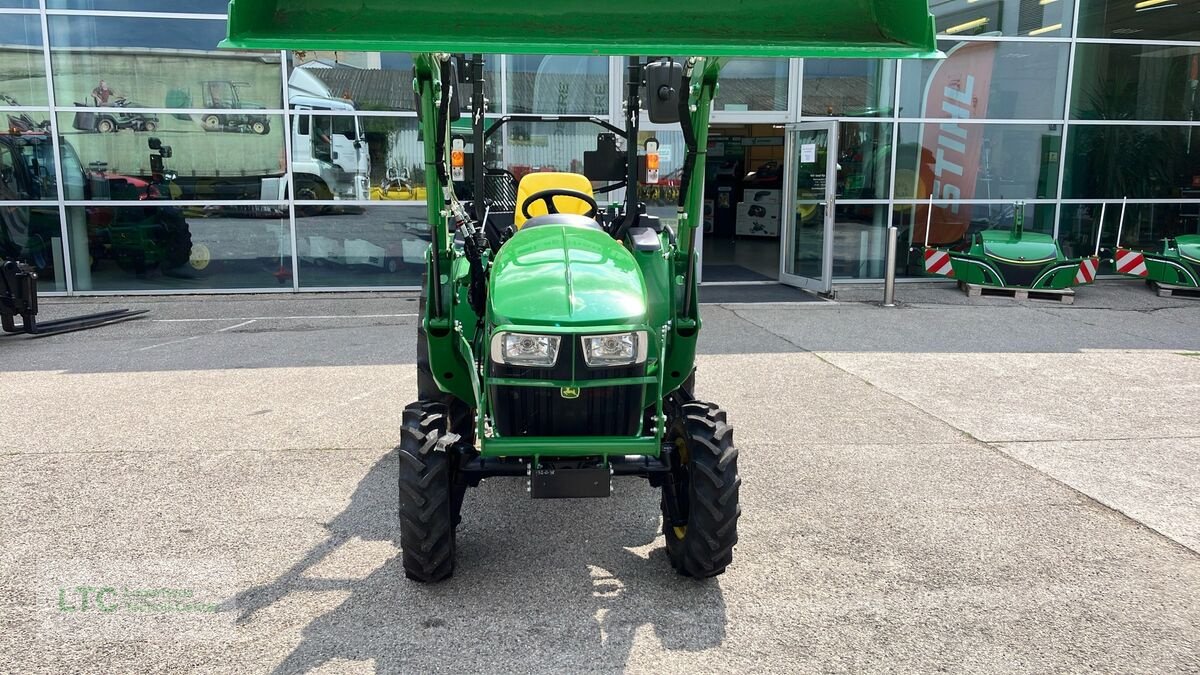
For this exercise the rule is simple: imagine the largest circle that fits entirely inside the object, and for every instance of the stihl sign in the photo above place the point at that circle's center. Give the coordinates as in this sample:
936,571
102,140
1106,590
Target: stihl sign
950,152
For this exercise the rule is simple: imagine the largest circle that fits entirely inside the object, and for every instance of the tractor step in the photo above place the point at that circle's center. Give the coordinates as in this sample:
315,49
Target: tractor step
1169,291
1065,296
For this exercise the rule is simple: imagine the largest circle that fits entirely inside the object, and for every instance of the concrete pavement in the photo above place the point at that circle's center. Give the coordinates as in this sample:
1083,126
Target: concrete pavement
994,487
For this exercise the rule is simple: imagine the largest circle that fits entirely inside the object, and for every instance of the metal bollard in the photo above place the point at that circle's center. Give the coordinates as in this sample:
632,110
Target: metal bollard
889,270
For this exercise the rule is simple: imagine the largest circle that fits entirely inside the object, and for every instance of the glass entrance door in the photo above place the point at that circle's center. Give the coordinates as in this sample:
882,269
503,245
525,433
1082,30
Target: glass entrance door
810,185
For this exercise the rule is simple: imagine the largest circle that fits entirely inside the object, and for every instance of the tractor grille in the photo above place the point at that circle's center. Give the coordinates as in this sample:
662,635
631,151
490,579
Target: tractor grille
542,411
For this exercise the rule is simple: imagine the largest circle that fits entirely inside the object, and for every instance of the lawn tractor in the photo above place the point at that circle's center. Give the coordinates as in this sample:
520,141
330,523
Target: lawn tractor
1011,259
557,339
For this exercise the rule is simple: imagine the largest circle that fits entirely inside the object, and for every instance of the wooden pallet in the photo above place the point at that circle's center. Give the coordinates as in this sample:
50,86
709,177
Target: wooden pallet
1169,291
1065,296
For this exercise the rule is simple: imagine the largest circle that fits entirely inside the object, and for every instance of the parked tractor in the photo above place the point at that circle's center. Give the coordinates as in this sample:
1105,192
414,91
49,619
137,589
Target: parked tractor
557,339
230,112
114,117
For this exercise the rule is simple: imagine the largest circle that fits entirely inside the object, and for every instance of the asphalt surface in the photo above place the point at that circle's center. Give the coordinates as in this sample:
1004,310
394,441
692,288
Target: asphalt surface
950,485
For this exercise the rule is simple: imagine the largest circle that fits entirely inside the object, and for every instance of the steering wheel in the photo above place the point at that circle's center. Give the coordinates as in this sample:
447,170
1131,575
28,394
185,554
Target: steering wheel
548,196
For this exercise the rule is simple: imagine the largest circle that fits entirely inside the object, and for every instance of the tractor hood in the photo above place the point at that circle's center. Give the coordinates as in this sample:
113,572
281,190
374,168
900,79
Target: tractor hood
560,275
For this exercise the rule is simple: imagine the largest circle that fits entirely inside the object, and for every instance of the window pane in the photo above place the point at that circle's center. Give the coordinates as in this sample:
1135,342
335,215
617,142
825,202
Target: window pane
357,157
169,247
558,85
1132,161
864,160
753,84
156,63
374,246
973,161
27,167
211,156
1004,17
189,7
955,226
31,234
370,80
992,80
1123,19
22,65
1135,82
848,87
859,240
1145,227
548,146
19,4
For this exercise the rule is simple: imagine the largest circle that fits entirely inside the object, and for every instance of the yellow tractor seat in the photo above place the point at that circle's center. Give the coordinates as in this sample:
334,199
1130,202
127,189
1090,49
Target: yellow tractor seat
534,183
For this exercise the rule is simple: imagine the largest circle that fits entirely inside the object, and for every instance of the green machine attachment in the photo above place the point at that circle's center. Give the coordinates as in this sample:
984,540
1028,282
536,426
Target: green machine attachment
759,28
557,338
1174,267
1010,258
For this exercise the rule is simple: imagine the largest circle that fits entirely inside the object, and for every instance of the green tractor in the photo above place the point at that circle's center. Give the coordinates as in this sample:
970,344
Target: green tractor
557,339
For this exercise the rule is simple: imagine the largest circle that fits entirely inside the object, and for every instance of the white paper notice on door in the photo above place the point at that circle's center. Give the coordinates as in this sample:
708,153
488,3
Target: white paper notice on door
808,153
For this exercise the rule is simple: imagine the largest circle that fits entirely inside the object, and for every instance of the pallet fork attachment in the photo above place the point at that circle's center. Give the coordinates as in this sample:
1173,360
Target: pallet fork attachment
18,298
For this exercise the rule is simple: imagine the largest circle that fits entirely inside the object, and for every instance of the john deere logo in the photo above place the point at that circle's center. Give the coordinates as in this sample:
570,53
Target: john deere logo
570,392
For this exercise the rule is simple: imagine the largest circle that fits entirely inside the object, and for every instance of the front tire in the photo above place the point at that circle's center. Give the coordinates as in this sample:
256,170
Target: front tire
706,483
427,518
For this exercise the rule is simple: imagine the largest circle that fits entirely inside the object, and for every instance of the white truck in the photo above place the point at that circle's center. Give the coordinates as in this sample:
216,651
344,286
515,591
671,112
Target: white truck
330,156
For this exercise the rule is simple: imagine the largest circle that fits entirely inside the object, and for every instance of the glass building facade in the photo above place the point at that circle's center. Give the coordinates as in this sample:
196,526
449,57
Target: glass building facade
138,158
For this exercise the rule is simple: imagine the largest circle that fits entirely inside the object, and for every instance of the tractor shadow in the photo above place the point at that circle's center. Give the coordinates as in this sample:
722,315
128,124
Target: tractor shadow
562,586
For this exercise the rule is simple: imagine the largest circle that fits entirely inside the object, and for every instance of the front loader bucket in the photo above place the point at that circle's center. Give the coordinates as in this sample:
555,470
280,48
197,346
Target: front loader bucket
750,28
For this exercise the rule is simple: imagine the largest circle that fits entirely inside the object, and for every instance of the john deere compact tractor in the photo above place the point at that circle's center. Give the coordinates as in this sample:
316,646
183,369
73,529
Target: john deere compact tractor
558,336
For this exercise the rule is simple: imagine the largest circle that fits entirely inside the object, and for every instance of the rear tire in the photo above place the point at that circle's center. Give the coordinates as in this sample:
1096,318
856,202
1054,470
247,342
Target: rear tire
706,480
427,518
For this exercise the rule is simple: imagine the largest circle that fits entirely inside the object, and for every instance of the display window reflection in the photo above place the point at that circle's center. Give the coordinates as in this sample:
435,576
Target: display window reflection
558,85
1026,18
1138,162
27,168
32,236
1141,20
380,245
189,7
988,80
165,155
977,161
848,87
753,85
124,62
375,81
166,247
357,157
1136,82
22,62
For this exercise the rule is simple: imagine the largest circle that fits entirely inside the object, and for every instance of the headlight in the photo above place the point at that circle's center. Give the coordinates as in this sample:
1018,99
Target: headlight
618,349
523,349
